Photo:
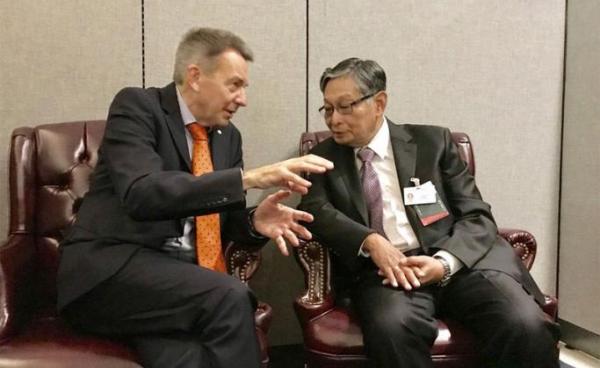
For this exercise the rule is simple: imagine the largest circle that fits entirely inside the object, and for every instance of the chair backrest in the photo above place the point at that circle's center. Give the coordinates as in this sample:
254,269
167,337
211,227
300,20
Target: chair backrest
49,172
310,139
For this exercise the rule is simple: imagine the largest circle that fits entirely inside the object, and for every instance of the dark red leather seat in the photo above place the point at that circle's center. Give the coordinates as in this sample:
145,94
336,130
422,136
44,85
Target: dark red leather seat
332,334
48,171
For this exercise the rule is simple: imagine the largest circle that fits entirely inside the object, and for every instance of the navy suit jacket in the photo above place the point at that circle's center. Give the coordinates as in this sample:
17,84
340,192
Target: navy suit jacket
142,189
428,153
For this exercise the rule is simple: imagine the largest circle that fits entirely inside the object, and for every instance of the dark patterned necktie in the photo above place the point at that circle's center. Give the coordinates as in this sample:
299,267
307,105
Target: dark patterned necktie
371,190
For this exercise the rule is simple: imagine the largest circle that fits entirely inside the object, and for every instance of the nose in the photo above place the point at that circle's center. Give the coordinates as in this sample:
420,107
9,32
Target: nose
335,117
241,99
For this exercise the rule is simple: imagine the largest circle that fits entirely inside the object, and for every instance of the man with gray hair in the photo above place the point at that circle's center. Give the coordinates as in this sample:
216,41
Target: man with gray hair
410,237
143,260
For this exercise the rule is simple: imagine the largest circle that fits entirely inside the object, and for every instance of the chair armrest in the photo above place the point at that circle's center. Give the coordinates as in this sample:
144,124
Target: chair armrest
17,265
525,245
523,242
242,260
314,261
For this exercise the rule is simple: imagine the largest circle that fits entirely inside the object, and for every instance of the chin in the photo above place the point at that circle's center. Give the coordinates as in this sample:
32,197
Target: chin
346,141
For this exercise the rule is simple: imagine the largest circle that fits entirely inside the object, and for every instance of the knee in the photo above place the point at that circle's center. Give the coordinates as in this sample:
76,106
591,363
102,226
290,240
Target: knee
529,328
237,294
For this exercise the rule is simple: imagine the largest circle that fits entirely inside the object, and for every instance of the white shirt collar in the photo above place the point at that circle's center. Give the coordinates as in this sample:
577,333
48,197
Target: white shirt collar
186,114
381,141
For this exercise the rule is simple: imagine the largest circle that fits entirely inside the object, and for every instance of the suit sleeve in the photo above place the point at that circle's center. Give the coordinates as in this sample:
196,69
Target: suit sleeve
474,230
146,189
337,231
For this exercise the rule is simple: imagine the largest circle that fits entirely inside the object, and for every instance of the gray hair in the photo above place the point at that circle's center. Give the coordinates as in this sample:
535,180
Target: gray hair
368,75
201,46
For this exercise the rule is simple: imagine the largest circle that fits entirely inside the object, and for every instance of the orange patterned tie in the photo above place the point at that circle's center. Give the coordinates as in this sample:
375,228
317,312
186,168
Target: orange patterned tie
208,230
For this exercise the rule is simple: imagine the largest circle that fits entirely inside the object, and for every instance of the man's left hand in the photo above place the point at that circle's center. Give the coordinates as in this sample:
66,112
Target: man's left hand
280,222
430,270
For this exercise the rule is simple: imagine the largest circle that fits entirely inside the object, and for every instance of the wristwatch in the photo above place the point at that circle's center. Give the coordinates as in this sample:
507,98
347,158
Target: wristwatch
447,273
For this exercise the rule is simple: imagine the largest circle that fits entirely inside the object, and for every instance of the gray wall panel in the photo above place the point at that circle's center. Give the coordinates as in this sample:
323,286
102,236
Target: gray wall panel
274,118
580,212
492,69
63,61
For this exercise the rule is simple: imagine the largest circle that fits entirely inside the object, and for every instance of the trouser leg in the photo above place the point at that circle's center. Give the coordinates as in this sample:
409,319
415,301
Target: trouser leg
398,326
511,329
200,315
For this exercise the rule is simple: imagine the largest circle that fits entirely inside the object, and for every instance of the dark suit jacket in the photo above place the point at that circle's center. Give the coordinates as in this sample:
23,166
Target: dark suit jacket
428,153
142,189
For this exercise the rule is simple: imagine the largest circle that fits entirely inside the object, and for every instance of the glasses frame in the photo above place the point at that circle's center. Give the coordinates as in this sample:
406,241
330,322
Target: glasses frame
344,110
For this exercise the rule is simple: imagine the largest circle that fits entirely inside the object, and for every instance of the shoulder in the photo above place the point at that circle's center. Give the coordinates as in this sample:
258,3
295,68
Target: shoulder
426,134
326,148
135,98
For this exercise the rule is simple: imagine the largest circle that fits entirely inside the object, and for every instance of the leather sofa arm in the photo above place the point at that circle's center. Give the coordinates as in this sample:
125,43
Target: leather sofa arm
17,265
317,298
525,245
523,242
242,260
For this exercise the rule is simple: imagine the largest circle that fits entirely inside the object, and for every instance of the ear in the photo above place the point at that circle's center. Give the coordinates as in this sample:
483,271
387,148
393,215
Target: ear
193,76
380,100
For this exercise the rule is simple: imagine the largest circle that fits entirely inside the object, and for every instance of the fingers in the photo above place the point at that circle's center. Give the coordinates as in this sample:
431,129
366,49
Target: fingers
401,278
390,277
279,196
411,277
301,231
311,163
291,237
296,183
280,242
407,277
297,188
298,215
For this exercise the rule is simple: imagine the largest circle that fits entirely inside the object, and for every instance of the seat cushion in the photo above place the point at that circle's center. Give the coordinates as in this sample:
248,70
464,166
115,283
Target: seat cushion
337,332
48,342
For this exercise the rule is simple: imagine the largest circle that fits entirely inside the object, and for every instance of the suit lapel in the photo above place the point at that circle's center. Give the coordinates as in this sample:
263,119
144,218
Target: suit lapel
219,150
175,122
347,165
405,153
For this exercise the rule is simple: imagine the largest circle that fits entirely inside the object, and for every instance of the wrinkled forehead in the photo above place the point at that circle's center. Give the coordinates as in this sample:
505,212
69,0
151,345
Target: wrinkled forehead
341,89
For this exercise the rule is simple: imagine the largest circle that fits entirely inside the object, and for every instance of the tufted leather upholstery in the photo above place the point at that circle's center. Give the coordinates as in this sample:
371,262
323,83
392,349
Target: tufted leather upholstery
49,173
332,334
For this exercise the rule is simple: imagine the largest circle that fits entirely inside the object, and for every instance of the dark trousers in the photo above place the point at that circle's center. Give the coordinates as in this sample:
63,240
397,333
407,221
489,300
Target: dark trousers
511,330
174,313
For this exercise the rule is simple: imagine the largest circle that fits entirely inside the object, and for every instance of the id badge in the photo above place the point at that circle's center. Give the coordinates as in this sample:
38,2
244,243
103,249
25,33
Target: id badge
420,194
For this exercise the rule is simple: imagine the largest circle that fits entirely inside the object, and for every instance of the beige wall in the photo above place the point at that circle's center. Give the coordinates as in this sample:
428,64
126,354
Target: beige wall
63,61
492,69
579,275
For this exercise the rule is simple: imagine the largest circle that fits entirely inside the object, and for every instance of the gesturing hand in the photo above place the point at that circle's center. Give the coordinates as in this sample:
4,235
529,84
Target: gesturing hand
280,222
286,173
391,263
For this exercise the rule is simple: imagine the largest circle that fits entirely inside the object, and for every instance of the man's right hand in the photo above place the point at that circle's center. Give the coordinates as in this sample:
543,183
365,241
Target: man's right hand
391,263
286,173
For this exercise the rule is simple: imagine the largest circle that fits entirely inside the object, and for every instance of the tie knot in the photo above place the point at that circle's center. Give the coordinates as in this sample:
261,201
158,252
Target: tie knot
366,154
197,131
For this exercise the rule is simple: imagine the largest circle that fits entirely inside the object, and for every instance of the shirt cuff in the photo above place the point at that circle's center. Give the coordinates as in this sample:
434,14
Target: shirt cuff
362,252
454,263
253,233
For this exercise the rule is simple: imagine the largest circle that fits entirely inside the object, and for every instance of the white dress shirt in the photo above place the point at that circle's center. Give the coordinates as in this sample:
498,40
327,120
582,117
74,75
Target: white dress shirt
395,222
185,243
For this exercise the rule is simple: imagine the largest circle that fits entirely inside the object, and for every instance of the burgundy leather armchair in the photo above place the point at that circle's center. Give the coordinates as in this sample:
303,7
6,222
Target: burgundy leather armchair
49,172
332,334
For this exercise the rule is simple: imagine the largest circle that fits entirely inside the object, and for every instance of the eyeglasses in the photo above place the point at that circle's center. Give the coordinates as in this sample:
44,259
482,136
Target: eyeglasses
327,111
